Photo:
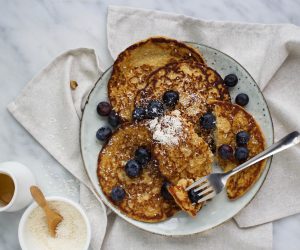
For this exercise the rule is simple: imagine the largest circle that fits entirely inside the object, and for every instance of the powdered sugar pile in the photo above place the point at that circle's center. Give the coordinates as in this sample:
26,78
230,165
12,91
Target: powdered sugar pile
167,129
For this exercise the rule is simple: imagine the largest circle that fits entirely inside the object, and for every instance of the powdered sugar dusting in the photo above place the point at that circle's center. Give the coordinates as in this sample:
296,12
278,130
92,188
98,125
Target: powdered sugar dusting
167,129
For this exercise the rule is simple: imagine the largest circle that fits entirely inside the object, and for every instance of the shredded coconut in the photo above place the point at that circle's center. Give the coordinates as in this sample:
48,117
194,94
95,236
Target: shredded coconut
167,129
71,233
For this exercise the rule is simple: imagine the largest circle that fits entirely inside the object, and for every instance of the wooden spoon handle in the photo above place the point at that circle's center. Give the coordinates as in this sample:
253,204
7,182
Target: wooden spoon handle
38,196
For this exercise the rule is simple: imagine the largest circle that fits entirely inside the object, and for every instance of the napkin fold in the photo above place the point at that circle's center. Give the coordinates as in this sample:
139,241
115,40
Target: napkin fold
271,53
50,110
121,235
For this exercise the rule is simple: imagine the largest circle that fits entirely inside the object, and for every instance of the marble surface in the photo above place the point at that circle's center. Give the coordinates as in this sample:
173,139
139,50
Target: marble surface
32,32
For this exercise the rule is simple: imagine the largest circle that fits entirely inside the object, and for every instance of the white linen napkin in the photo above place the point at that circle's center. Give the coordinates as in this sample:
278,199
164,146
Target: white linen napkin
51,112
271,53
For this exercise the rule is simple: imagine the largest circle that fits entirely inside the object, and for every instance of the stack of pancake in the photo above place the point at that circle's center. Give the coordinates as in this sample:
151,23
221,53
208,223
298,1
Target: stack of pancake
142,73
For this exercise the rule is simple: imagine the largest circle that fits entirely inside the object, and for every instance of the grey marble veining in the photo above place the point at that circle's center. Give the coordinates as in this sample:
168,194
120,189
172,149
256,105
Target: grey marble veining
33,32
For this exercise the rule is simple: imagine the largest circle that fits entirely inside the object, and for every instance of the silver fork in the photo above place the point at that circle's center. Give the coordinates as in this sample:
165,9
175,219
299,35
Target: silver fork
212,184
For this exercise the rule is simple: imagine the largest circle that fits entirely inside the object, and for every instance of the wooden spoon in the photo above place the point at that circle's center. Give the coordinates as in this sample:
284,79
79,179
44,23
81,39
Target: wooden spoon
53,218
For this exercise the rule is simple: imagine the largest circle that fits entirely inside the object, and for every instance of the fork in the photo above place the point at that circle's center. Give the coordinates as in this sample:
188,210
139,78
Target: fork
210,185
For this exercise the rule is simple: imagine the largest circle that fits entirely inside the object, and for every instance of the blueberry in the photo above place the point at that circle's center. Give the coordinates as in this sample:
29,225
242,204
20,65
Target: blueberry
208,121
225,151
165,192
242,99
103,133
155,109
103,108
242,138
139,114
142,155
241,154
117,194
170,98
231,80
133,168
114,119
194,197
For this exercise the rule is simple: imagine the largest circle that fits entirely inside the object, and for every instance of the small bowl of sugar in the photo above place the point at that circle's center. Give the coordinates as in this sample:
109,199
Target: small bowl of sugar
74,232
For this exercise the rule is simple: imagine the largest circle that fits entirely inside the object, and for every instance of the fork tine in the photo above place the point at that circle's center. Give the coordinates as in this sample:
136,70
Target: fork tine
206,191
206,184
196,183
207,197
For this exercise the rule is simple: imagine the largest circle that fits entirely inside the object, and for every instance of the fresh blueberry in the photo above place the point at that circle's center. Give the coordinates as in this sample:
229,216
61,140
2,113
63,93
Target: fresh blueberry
133,168
242,99
114,119
165,192
194,197
103,133
117,194
139,114
231,80
103,108
142,155
208,121
155,109
241,154
242,138
170,98
225,151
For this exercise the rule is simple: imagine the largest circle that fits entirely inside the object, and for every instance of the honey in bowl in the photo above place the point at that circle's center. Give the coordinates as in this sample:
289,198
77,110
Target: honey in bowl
7,189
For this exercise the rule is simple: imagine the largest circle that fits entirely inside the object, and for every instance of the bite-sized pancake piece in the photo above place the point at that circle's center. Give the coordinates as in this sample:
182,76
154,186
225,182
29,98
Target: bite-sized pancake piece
230,120
143,200
181,197
196,84
180,152
134,65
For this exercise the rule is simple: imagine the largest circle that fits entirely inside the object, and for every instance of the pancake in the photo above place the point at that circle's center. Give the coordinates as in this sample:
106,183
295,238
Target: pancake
231,119
196,84
182,199
143,200
134,65
185,155
182,156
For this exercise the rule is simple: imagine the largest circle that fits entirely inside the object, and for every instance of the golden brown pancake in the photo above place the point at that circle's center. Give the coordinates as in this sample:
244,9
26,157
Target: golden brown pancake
232,119
182,199
143,200
134,65
196,84
187,157
182,156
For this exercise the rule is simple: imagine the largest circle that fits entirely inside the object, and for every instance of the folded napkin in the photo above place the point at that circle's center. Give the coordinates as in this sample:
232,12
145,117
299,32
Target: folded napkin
51,112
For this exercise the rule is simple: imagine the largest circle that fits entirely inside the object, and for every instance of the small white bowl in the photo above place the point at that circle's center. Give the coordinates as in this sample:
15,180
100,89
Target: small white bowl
29,210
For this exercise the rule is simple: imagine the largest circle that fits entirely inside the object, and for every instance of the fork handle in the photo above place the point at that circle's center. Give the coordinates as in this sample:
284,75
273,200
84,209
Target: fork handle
286,142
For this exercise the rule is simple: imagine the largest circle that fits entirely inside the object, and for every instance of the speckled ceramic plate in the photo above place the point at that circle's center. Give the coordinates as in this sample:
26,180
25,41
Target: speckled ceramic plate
220,209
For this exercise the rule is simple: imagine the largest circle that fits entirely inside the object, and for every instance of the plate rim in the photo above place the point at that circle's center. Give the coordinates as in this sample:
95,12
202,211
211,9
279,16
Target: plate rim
123,216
